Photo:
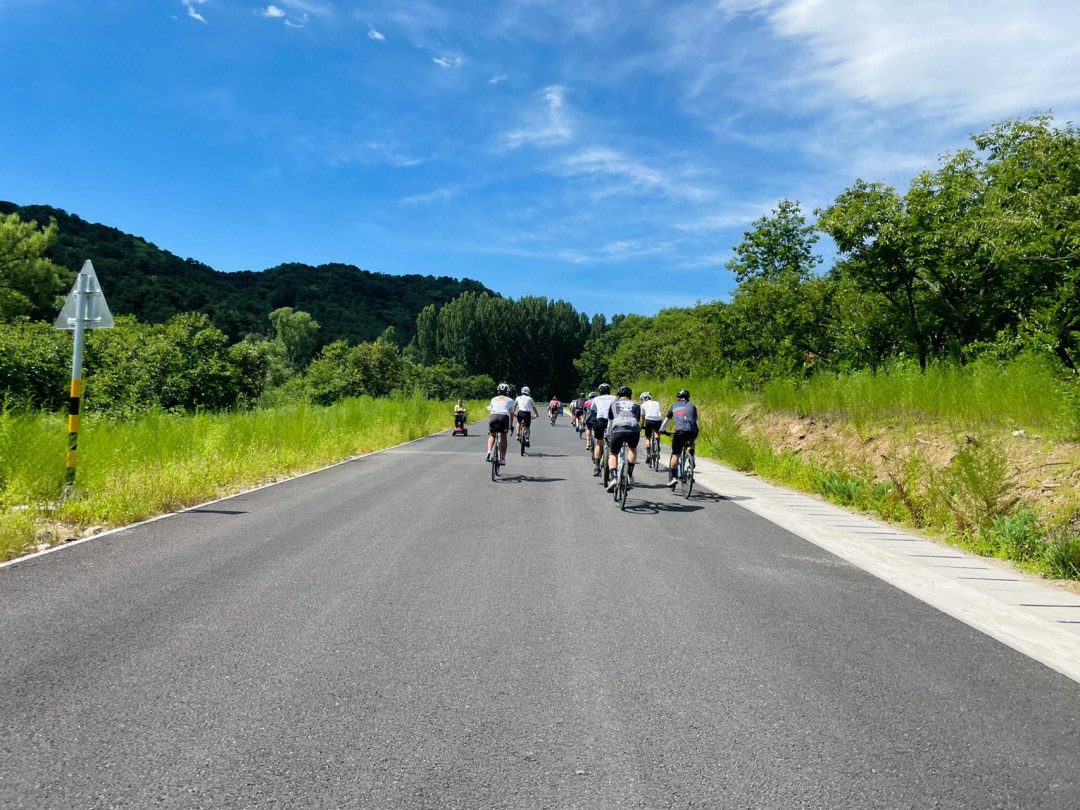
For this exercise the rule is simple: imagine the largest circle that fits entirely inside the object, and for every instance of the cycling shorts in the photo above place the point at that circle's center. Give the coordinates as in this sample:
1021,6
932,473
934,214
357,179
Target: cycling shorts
599,428
651,426
577,412
498,423
680,439
628,436
525,417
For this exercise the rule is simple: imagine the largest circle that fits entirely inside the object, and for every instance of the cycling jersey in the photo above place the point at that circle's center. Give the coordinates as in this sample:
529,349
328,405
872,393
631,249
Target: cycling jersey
624,414
650,410
600,406
525,403
554,404
684,415
501,405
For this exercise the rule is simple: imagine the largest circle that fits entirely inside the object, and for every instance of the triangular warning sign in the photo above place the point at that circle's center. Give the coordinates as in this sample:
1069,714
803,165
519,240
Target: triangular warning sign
96,313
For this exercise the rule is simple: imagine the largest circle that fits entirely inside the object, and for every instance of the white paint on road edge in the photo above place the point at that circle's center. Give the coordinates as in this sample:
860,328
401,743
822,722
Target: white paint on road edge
1021,611
81,540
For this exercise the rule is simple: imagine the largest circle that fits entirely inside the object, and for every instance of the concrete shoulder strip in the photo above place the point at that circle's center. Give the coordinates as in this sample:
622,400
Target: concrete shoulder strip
1022,611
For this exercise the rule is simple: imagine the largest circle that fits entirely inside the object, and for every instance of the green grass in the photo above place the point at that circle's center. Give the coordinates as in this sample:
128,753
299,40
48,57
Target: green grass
1026,393
131,470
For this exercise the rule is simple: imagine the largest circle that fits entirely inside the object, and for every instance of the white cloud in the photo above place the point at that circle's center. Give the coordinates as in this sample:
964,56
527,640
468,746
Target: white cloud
444,193
965,60
637,176
308,7
502,77
375,35
273,11
546,126
300,23
448,61
190,6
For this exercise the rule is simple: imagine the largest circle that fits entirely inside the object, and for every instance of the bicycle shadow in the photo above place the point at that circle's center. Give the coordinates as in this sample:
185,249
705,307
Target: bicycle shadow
512,478
538,454
643,507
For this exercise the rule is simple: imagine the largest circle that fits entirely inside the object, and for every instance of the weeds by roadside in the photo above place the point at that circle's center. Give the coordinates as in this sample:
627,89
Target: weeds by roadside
131,470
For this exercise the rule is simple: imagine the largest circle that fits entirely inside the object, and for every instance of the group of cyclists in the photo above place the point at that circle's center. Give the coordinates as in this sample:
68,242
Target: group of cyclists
618,418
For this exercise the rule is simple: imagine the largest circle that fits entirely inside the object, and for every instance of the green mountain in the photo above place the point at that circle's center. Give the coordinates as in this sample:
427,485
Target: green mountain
141,279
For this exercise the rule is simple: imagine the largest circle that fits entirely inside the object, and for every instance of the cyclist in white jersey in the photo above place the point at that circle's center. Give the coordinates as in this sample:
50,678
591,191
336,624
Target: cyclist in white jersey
526,410
501,408
597,420
651,414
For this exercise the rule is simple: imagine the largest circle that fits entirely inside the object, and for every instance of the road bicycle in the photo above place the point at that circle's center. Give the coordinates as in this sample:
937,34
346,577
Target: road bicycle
553,416
495,463
622,478
603,461
684,470
522,438
652,454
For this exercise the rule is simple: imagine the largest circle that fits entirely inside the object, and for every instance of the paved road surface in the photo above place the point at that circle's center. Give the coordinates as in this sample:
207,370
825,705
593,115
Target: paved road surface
400,632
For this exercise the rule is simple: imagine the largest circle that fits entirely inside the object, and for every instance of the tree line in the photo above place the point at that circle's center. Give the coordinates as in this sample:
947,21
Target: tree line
980,257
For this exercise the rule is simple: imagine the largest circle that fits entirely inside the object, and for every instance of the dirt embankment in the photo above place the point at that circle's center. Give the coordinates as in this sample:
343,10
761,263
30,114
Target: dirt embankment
1040,471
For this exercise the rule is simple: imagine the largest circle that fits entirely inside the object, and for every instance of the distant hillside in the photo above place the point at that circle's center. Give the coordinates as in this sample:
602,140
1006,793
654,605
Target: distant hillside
141,279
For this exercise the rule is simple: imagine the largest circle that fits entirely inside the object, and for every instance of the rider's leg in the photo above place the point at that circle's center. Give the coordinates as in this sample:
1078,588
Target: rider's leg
491,442
502,446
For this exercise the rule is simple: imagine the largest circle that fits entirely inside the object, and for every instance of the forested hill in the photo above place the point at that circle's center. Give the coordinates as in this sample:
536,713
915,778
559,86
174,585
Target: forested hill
141,279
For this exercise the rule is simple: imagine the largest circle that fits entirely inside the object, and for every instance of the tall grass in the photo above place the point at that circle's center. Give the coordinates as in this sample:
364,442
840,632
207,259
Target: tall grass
130,470
1026,393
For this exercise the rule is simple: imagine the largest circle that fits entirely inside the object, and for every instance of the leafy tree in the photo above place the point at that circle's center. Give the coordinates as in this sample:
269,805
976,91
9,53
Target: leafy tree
29,282
294,335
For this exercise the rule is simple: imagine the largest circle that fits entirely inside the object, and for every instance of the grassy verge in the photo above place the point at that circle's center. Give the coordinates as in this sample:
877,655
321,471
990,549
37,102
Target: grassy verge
131,470
948,453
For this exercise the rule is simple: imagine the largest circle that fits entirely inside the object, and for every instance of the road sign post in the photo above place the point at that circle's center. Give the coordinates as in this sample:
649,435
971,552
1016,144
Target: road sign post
85,308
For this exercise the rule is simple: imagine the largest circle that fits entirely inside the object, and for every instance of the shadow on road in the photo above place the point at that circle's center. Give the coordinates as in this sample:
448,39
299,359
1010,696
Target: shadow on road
536,454
643,507
511,478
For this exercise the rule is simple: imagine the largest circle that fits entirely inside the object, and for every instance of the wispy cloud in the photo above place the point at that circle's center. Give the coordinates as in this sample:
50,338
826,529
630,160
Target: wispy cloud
636,175
190,6
308,7
369,152
375,35
273,11
496,79
448,61
546,125
443,193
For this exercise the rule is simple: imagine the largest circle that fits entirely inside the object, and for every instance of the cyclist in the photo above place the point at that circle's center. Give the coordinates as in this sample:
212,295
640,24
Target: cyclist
683,413
651,415
501,408
597,420
624,427
526,410
554,408
577,409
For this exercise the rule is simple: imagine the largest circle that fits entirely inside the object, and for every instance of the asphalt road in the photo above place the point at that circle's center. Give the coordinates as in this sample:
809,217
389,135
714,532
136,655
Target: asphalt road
399,631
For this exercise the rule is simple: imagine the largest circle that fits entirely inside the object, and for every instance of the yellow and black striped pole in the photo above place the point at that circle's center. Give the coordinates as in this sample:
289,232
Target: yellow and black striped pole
73,432
82,290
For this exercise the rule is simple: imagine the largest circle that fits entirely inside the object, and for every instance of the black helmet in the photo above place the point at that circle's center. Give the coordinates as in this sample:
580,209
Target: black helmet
625,391
683,394
604,388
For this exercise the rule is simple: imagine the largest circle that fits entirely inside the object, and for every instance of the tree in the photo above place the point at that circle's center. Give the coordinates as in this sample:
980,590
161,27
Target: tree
294,334
29,282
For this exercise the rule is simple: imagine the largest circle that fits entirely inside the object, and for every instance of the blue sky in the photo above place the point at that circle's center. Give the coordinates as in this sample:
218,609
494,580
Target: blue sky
607,153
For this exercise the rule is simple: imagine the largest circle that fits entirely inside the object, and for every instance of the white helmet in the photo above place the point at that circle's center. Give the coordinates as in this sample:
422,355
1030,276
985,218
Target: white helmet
646,395
525,390
503,389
